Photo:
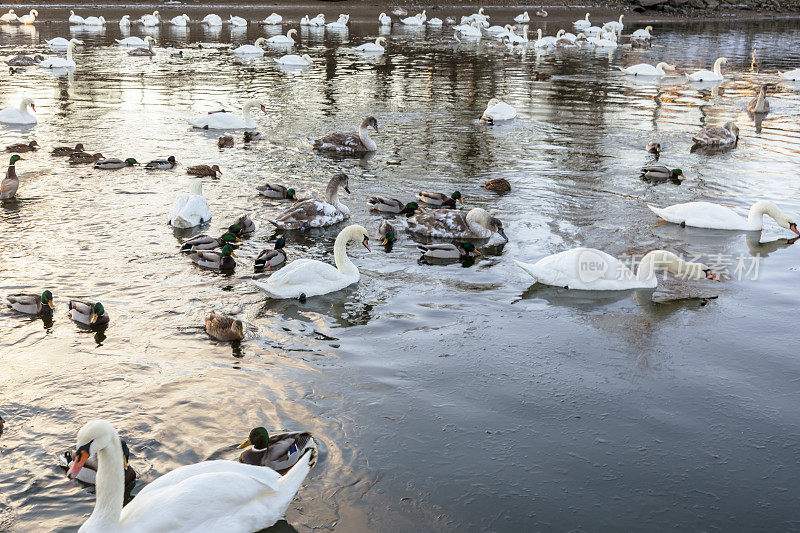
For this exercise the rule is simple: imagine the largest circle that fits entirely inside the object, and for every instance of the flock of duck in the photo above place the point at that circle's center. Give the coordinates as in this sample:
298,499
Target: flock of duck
254,492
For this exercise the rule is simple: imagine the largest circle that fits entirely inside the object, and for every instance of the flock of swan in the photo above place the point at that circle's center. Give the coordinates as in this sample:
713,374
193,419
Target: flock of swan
251,494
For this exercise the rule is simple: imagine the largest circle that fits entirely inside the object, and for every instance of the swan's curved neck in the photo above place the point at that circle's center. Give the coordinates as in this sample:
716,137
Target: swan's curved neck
23,107
755,219
363,134
343,262
718,67
248,119
332,193
69,51
668,261
110,483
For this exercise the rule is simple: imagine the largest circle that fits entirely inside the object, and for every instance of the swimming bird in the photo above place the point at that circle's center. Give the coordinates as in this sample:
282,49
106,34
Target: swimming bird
294,60
251,49
717,137
31,304
709,75
75,19
283,39
440,199
190,209
642,33
180,20
498,185
279,451
654,148
790,75
384,19
212,20
113,163
278,192
311,277
21,148
372,48
220,495
224,120
243,226
583,23
149,52
222,260
60,62
467,31
339,24
498,111
251,136
204,170
20,114
416,20
10,184
759,104
25,61
10,16
30,18
349,143
125,22
565,269
382,204
94,21
85,158
448,250
88,313
131,41
225,141
272,20
150,21
452,224
272,258
523,18
643,69
239,22
88,474
224,328
206,242
386,233
59,43
659,173
162,164
615,25
60,151
316,213
715,216
319,20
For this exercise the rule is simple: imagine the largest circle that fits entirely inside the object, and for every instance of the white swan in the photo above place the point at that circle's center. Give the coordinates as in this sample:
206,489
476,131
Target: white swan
708,75
513,38
75,19
272,20
643,69
715,216
523,18
225,120
436,22
616,25
372,48
319,20
471,31
20,114
544,42
58,43
339,24
60,62
212,20
500,31
239,22
416,20
125,22
209,496
150,21
384,19
498,111
94,21
10,16
190,209
180,20
283,39
583,23
294,60
607,42
312,277
594,270
131,41
251,49
642,33
790,75
30,18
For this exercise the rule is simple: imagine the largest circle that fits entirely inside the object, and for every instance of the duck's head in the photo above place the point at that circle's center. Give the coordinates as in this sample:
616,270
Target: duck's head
227,251
171,159
131,161
370,122
280,243
258,439
14,159
654,147
47,299
97,312
291,194
229,237
470,248
79,147
93,437
411,208
216,169
457,196
677,173
126,454
388,237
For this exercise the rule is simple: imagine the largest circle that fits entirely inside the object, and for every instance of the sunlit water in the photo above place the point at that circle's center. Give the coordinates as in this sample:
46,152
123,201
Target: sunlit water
444,397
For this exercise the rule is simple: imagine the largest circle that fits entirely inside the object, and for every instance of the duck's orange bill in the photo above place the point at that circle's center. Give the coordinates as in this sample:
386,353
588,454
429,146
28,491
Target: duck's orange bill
77,464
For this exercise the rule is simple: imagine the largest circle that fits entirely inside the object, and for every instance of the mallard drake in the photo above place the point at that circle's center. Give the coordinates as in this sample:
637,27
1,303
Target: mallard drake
759,104
386,233
440,199
349,143
88,313
162,164
657,173
448,250
88,473
215,260
250,136
272,258
204,170
243,226
224,328
498,185
206,242
10,184
718,137
279,192
20,148
31,304
84,158
453,224
60,151
226,141
316,213
113,163
654,148
279,451
392,205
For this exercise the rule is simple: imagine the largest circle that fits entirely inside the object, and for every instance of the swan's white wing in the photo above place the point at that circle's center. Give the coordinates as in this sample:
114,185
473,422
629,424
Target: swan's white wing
307,276
642,69
217,121
177,205
702,215
194,211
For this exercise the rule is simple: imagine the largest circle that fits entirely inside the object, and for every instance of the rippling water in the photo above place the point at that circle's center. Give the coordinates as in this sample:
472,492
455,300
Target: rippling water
445,398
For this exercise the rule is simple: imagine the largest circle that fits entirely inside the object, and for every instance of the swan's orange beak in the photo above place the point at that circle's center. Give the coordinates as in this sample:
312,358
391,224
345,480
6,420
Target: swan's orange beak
77,464
33,107
793,227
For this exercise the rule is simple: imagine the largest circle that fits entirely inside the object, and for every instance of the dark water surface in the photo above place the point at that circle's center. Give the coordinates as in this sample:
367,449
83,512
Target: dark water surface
445,398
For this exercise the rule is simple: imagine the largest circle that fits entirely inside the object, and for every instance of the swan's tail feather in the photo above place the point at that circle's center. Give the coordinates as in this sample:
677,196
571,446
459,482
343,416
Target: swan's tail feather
658,211
266,288
290,482
180,222
622,69
526,268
